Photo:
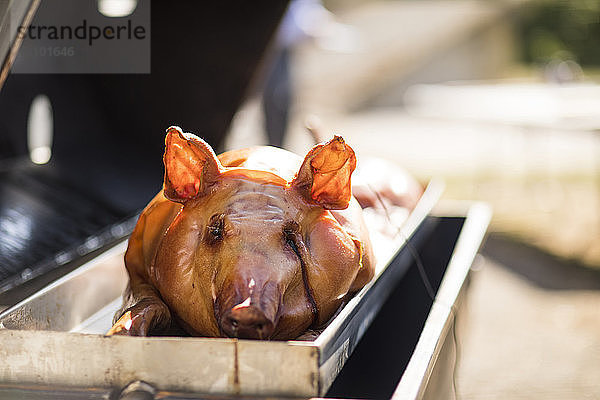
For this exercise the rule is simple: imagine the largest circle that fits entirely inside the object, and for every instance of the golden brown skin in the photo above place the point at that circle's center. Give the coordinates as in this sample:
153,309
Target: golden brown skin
256,243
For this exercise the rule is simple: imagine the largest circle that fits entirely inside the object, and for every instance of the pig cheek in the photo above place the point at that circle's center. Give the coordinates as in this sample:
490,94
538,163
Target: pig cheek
295,313
335,263
184,279
225,291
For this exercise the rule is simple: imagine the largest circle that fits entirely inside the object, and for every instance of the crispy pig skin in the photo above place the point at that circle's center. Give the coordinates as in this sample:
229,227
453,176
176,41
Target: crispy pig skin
255,243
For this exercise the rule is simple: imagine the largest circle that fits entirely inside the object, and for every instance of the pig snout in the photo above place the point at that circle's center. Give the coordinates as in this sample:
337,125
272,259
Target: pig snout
247,322
251,318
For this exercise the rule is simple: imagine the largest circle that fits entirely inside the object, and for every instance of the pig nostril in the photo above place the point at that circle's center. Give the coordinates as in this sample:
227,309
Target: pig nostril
246,323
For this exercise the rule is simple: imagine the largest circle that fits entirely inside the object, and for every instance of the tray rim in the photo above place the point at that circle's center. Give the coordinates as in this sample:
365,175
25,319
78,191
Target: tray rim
477,216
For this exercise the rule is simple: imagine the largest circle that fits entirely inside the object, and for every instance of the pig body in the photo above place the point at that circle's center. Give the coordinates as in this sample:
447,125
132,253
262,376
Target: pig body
256,243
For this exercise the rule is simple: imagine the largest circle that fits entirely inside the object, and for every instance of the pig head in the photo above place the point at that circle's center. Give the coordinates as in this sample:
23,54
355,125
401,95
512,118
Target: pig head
255,243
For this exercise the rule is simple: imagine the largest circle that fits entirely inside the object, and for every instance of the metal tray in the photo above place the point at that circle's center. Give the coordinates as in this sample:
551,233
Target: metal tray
56,336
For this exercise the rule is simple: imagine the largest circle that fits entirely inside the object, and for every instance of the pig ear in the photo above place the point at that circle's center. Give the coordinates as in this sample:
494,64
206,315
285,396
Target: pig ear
324,177
191,165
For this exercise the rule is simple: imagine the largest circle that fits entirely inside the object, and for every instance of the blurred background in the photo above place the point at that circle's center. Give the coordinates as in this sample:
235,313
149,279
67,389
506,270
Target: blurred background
501,100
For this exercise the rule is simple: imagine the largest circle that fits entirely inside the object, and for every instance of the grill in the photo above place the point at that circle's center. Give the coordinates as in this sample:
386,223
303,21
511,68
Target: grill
62,227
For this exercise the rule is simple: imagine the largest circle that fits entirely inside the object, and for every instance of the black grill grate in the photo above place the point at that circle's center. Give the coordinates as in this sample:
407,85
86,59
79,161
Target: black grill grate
45,223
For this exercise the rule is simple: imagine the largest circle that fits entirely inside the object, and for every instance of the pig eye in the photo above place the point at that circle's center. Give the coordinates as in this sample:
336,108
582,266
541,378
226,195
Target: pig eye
290,232
216,228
